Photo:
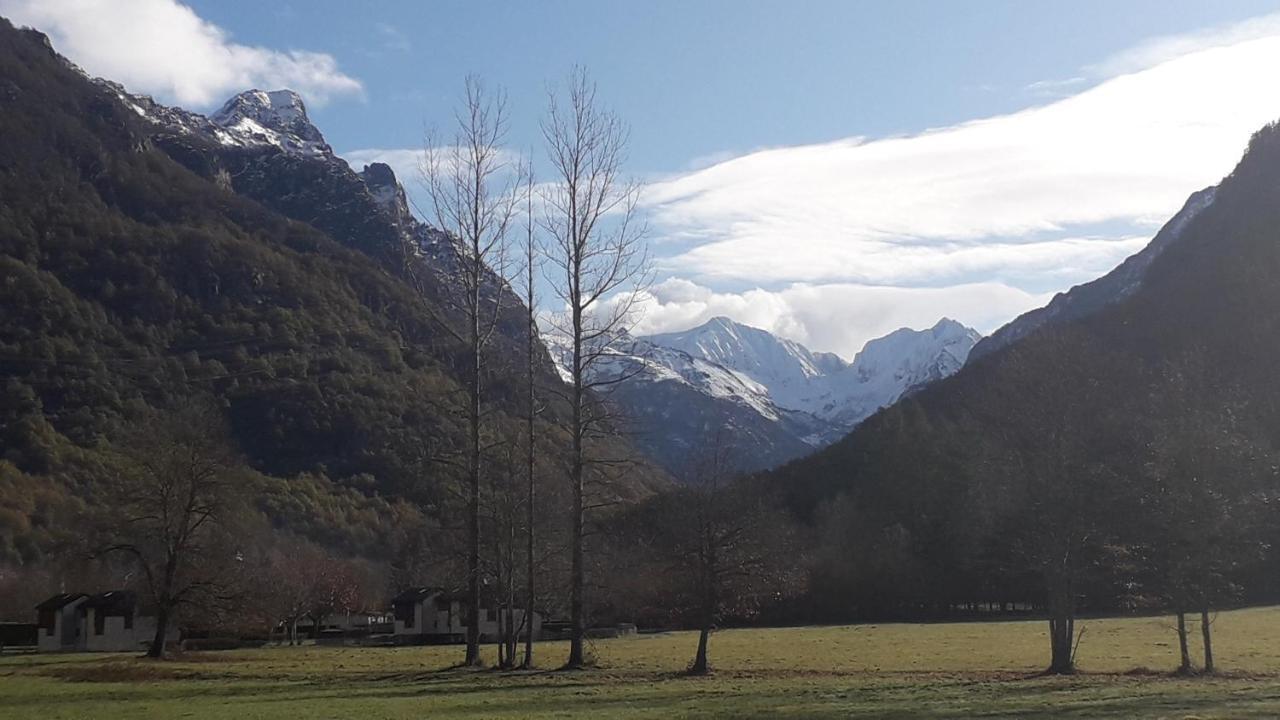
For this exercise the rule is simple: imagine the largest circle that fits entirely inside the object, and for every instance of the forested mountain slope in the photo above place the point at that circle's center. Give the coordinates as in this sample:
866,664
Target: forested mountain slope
950,495
129,280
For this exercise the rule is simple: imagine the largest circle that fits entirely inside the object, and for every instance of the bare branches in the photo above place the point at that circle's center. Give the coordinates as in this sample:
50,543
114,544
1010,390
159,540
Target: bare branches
475,192
172,495
596,262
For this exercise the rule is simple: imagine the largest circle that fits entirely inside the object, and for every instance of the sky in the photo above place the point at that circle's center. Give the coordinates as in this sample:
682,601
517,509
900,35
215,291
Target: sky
827,170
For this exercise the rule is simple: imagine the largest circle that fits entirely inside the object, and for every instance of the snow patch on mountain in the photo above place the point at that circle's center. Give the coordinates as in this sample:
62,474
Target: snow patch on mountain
821,384
277,118
815,397
639,360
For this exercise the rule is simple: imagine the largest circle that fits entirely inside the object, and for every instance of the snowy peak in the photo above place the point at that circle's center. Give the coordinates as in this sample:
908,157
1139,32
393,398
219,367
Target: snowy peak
821,384
381,181
782,398
916,357
278,117
757,353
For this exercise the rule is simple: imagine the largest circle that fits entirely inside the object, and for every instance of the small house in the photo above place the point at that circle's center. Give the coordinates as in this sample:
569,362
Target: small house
59,621
431,615
112,623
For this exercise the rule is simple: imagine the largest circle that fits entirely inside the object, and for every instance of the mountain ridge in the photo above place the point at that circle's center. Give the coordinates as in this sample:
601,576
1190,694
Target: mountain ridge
780,399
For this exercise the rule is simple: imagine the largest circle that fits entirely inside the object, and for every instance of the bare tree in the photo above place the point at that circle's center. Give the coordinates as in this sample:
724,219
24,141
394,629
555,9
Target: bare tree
474,192
504,513
596,260
531,412
720,548
172,493
1202,497
1055,462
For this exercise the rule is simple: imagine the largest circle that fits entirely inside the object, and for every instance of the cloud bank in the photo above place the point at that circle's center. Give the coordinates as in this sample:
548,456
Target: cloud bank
162,48
980,221
836,317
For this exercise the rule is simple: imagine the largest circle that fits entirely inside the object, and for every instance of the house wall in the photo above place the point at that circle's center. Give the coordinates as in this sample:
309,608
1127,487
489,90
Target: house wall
494,628
402,629
429,620
67,633
116,637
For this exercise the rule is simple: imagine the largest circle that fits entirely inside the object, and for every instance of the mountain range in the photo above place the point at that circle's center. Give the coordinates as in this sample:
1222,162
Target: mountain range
773,398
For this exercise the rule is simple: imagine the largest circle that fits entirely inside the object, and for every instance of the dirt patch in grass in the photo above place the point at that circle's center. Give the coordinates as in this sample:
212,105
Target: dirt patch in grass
120,672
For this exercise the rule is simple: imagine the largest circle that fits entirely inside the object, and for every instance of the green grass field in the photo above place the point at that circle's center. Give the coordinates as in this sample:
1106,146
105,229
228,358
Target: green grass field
952,670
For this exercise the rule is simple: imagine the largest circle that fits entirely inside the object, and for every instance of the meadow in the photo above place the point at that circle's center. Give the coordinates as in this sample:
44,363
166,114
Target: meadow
985,669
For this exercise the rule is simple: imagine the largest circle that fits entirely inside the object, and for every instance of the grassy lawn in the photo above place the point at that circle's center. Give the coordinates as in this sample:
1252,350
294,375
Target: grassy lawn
954,670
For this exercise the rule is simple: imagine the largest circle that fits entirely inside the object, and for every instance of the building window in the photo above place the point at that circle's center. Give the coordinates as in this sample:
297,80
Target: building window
404,612
99,623
128,621
48,621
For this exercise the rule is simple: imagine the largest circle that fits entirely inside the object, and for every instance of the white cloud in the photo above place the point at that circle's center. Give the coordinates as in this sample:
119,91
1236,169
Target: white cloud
1012,196
1169,47
392,37
837,317
162,48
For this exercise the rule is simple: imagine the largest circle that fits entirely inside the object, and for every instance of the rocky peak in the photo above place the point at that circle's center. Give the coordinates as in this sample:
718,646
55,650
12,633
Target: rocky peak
383,186
278,117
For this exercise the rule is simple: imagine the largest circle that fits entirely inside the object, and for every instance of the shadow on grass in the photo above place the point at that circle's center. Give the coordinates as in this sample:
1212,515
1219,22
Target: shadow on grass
605,691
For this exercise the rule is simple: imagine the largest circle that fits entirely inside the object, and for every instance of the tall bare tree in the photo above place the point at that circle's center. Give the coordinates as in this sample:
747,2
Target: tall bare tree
596,259
474,189
173,493
531,410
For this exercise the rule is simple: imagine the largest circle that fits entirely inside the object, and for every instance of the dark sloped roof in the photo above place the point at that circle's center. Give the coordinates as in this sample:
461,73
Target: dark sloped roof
59,601
417,594
114,602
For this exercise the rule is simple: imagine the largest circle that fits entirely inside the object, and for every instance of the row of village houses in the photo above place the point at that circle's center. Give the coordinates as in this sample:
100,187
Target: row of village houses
114,622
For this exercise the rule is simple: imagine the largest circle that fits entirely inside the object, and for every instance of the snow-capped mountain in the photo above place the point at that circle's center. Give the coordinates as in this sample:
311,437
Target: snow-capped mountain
822,384
265,145
276,118
779,399
671,403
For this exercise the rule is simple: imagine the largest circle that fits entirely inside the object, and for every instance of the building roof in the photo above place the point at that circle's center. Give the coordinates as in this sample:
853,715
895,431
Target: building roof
114,602
59,601
417,594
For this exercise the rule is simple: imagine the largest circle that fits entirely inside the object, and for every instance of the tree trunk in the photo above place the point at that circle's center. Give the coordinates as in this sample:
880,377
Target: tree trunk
531,412
156,650
1060,635
529,587
577,573
1062,618
1184,667
577,619
1207,634
473,480
700,665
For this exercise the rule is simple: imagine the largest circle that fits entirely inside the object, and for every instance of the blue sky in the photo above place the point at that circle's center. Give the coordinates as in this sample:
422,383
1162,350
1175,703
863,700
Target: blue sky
700,78
826,170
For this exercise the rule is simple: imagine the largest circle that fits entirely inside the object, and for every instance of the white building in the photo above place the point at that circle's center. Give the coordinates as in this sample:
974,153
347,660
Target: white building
432,615
59,622
111,623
